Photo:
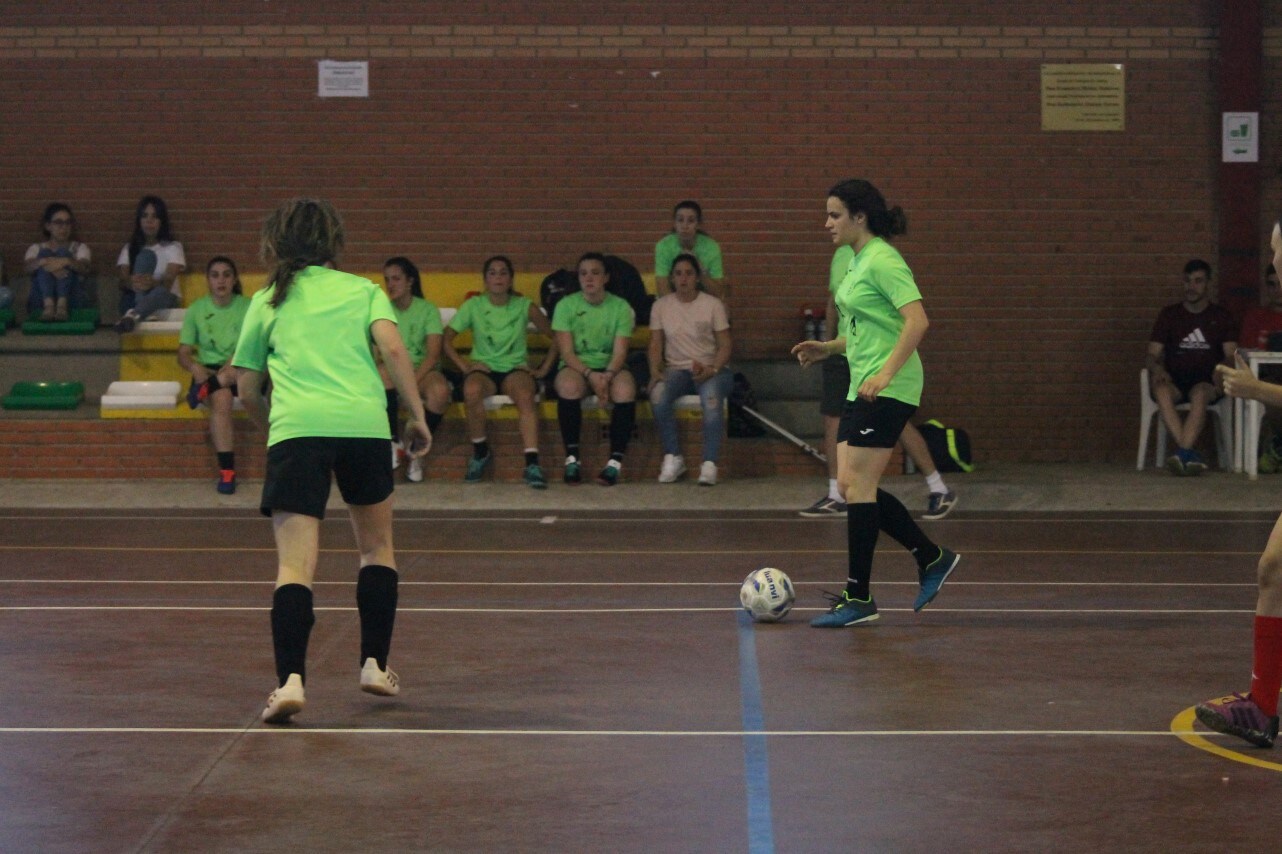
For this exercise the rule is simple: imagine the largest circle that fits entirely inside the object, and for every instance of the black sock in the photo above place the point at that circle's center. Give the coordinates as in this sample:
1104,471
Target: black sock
862,524
376,600
531,458
622,420
434,420
569,414
898,523
227,460
292,621
393,413
481,449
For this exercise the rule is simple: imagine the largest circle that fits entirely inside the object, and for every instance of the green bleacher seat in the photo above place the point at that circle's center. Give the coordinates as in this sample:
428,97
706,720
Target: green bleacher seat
83,321
44,395
7,319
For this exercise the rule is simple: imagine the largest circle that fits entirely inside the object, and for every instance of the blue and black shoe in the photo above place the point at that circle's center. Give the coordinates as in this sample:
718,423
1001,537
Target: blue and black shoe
934,575
534,476
846,612
476,468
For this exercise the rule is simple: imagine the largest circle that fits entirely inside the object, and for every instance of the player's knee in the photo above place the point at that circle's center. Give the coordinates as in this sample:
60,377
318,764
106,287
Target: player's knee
1269,570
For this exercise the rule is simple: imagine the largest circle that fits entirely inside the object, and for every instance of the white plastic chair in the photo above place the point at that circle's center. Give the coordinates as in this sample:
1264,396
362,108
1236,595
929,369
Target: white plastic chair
1221,413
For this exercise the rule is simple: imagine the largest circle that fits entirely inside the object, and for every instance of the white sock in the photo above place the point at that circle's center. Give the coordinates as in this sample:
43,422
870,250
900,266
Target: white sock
615,463
936,483
834,492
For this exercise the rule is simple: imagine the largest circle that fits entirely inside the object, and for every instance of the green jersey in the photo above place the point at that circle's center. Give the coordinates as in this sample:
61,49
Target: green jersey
316,347
875,287
593,327
498,331
707,250
213,329
415,323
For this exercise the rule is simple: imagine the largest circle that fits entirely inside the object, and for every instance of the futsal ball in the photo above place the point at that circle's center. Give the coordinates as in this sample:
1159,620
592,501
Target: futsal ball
767,595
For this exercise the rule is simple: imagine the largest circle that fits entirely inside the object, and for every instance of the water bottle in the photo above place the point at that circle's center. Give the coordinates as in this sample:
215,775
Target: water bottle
821,330
810,330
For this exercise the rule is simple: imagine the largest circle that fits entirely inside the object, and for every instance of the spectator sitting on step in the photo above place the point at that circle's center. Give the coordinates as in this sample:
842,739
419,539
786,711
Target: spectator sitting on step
1258,324
688,237
593,329
206,344
498,364
149,265
57,265
689,350
6,293
419,323
1188,340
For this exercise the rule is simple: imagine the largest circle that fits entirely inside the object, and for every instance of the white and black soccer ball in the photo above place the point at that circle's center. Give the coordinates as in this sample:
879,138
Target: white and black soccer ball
767,595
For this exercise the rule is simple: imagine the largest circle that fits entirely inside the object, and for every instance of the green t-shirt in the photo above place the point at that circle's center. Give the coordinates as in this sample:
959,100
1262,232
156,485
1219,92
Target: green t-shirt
316,347
707,250
593,327
877,285
498,331
415,323
212,329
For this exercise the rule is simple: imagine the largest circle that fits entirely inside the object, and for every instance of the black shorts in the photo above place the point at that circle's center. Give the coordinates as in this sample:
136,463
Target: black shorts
213,383
875,424
1185,385
298,473
836,385
496,377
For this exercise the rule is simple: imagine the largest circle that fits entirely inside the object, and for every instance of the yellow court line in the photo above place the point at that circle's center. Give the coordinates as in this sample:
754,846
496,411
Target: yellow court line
1182,726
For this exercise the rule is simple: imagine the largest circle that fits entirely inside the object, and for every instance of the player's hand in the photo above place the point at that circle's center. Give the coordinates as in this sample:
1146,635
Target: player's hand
810,352
1237,381
420,439
201,374
473,367
599,381
873,386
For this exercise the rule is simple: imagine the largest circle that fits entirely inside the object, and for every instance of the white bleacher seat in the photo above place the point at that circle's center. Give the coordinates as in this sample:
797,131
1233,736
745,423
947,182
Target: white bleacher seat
165,321
1220,412
141,395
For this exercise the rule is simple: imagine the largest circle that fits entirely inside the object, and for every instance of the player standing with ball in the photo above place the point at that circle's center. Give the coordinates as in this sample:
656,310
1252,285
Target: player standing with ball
882,322
311,329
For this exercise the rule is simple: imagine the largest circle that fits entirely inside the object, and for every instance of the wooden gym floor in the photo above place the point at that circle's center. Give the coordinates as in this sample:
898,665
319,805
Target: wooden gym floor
578,682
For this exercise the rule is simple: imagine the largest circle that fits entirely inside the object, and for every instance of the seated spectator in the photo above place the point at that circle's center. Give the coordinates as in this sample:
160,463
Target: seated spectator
1188,340
593,329
689,237
149,265
499,363
689,351
57,265
206,344
1262,320
419,324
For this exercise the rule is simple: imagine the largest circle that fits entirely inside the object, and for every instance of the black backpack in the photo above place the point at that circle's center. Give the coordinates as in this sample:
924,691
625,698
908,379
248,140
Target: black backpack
556,285
949,447
739,425
626,282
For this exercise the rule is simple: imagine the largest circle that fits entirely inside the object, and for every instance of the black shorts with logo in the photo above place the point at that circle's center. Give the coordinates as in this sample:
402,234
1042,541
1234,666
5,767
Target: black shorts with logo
874,424
299,470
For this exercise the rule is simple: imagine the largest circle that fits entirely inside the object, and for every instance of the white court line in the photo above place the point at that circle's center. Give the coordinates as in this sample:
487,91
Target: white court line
401,610
598,733
786,516
252,582
538,552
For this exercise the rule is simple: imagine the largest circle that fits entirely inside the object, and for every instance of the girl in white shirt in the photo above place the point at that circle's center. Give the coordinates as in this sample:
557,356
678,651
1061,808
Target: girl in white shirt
149,265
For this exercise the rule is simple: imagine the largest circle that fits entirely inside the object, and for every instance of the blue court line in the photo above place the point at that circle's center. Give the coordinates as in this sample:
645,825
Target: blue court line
756,763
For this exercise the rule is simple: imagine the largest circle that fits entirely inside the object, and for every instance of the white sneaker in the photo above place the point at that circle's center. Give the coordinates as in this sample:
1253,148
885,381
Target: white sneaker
285,702
674,465
414,474
396,455
384,683
708,473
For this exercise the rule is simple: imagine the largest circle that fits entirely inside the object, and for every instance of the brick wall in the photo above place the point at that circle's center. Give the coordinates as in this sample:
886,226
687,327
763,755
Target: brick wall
545,129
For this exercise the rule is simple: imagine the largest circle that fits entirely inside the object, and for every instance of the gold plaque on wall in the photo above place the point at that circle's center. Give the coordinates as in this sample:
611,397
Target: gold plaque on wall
1083,97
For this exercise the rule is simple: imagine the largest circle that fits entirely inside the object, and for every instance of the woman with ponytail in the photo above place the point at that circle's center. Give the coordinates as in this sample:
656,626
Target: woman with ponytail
881,323
311,329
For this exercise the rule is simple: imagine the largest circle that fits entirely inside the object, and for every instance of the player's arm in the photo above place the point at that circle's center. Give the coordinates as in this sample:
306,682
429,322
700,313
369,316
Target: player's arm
1239,381
185,360
249,385
464,365
544,327
1155,361
654,355
397,359
725,345
565,344
431,357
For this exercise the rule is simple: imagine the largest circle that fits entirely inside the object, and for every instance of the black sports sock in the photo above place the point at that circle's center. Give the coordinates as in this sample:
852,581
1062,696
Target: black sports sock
481,449
376,597
394,413
531,458
898,523
862,524
569,414
622,420
292,621
434,420
226,460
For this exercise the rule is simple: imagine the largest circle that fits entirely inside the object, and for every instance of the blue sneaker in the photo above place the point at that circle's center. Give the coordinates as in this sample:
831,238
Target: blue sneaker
846,612
476,468
573,471
534,476
934,576
1194,464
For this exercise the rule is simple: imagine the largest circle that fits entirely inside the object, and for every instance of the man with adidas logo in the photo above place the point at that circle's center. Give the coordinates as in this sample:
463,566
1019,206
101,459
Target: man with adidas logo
1189,339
